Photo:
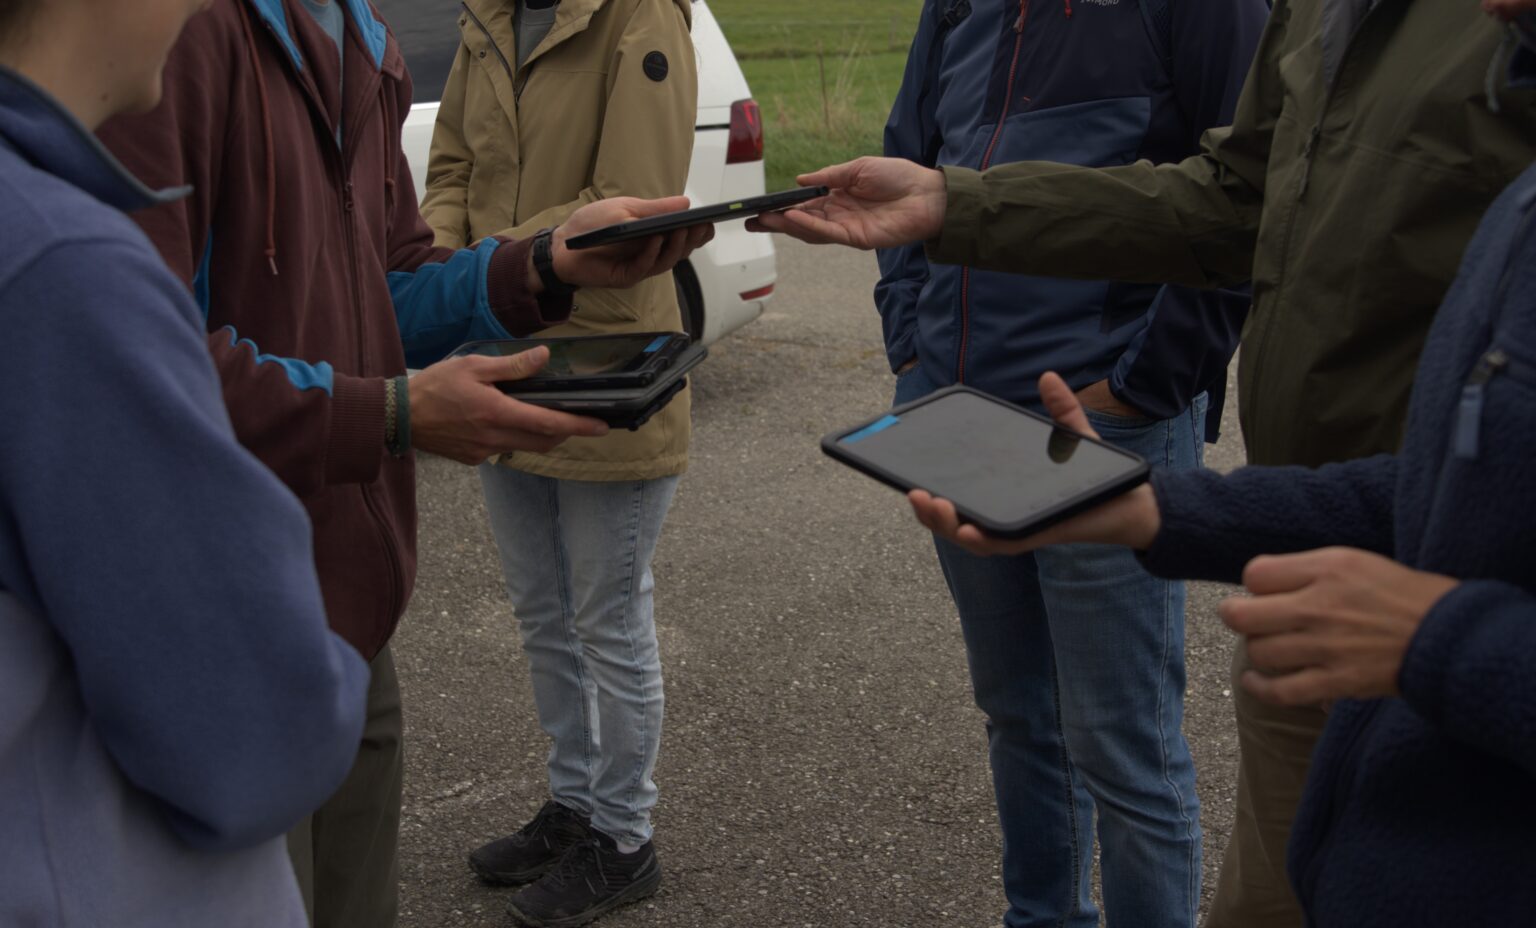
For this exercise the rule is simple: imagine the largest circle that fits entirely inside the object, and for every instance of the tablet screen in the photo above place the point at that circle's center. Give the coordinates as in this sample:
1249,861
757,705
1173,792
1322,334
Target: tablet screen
988,458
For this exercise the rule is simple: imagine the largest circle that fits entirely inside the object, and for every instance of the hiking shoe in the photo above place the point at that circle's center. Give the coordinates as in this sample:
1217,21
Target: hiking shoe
592,878
536,847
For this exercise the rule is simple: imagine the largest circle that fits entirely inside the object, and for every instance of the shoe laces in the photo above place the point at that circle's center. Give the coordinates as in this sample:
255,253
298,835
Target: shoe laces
574,866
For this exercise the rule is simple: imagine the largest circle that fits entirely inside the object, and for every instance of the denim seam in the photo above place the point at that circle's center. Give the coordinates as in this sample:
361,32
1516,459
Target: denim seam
1162,734
636,513
1076,888
569,631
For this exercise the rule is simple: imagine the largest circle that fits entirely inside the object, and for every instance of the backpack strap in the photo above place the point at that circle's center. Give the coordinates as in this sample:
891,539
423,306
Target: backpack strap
954,13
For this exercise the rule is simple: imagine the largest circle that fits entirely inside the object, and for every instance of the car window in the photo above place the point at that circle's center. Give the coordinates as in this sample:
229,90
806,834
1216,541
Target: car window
428,32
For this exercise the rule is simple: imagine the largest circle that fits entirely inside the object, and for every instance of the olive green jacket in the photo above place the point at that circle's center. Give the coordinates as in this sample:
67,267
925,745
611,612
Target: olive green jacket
1361,156
592,114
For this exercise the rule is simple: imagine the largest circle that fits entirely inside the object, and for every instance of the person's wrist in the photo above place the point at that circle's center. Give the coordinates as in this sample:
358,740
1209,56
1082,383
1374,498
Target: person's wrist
1146,519
548,252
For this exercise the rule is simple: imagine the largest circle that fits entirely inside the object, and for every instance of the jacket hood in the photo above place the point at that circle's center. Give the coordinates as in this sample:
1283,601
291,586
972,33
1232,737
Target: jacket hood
46,134
375,33
572,17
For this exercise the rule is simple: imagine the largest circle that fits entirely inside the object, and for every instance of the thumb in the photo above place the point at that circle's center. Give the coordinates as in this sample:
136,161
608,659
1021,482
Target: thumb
523,365
1063,404
644,209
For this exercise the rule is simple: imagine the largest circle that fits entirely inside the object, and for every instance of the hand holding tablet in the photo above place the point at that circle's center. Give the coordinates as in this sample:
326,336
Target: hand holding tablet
1025,484
687,219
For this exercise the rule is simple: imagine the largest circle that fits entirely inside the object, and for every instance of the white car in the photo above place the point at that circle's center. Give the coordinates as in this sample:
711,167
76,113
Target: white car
726,283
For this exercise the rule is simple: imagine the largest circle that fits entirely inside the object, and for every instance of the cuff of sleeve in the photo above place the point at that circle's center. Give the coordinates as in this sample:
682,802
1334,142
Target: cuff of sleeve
1185,547
355,451
965,198
1425,674
520,312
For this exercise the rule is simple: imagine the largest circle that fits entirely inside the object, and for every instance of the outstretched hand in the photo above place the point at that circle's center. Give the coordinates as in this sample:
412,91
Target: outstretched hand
1131,519
624,264
874,203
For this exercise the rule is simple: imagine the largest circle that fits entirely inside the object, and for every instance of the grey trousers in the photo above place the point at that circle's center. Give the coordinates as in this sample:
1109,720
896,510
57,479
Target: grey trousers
344,855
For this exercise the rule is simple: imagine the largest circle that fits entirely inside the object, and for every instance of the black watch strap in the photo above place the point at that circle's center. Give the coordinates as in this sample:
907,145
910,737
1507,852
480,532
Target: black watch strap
544,264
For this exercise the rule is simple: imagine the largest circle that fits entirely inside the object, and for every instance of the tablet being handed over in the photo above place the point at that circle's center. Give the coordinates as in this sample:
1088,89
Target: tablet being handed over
687,219
1008,471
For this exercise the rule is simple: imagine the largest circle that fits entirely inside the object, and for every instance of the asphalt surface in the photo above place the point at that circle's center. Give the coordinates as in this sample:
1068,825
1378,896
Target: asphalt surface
823,764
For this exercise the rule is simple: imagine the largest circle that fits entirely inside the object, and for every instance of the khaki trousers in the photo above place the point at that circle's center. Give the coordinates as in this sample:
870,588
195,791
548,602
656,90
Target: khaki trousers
1275,745
344,855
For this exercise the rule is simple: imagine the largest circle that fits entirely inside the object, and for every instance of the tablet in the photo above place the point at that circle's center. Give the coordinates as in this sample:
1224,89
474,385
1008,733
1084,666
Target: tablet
591,362
704,215
621,407
1008,471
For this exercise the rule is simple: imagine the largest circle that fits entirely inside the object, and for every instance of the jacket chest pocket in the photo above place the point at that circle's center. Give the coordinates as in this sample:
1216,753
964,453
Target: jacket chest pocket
1496,399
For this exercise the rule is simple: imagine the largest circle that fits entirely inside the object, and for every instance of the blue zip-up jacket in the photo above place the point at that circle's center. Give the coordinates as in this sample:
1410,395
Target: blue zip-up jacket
1419,810
171,701
1085,82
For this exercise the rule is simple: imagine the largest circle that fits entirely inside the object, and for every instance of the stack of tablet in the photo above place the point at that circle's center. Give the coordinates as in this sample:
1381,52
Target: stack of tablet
623,380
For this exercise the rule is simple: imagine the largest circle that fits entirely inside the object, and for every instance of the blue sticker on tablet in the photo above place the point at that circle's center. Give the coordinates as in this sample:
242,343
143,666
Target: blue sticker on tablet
871,429
655,346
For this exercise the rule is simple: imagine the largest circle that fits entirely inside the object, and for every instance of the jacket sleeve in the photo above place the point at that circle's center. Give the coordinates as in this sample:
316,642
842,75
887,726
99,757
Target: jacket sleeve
445,205
1471,669
444,297
313,427
1213,525
1193,223
173,565
911,132
1190,334
648,129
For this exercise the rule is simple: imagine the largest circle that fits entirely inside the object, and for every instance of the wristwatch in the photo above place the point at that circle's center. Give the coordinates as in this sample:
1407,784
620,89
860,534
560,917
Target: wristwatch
544,263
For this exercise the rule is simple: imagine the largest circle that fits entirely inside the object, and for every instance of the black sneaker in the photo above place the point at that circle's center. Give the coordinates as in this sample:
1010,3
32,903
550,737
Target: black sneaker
592,879
537,847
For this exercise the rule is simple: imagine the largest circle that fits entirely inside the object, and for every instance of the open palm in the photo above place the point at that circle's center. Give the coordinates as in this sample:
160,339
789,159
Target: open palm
874,203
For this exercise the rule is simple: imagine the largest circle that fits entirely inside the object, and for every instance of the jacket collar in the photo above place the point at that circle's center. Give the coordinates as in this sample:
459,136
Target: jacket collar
375,34
44,133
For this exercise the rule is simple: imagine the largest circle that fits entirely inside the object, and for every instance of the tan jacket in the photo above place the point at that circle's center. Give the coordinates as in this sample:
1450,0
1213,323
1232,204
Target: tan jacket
585,118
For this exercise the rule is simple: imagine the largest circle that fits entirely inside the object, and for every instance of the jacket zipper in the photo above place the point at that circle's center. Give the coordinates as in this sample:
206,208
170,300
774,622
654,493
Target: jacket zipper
1309,152
517,102
986,162
348,206
1351,748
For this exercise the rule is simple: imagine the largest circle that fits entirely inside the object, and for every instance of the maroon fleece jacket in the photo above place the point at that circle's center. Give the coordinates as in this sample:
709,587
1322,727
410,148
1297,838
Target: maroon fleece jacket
315,257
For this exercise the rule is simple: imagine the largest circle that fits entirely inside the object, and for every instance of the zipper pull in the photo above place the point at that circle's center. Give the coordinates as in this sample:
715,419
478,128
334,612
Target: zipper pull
1018,24
1469,416
1306,160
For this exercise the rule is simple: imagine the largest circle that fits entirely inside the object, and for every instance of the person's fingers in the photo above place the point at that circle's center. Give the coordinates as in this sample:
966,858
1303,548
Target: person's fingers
1283,573
838,175
642,209
509,415
815,227
1287,653
673,250
1063,404
1263,615
1310,687
520,366
937,515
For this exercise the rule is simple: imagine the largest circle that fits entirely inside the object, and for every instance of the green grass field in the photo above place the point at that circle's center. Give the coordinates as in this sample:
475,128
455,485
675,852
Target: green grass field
824,71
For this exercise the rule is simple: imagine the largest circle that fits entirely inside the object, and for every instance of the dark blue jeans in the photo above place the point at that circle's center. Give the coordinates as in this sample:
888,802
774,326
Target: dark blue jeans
1077,659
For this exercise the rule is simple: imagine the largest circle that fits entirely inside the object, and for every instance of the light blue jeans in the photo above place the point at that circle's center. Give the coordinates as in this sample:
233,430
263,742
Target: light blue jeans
1077,659
576,556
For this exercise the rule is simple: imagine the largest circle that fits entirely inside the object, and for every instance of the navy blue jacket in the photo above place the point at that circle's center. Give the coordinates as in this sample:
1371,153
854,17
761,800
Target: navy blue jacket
1085,82
1419,810
171,701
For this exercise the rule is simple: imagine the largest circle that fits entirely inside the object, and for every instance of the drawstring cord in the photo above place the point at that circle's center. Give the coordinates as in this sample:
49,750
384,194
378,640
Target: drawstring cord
1496,67
1068,4
266,128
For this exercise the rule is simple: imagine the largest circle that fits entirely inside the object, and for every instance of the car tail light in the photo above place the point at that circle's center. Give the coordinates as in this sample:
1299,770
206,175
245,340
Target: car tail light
746,133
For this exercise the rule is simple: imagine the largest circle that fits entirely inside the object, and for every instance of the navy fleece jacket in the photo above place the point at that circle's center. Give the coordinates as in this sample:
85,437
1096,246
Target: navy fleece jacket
171,700
1421,810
